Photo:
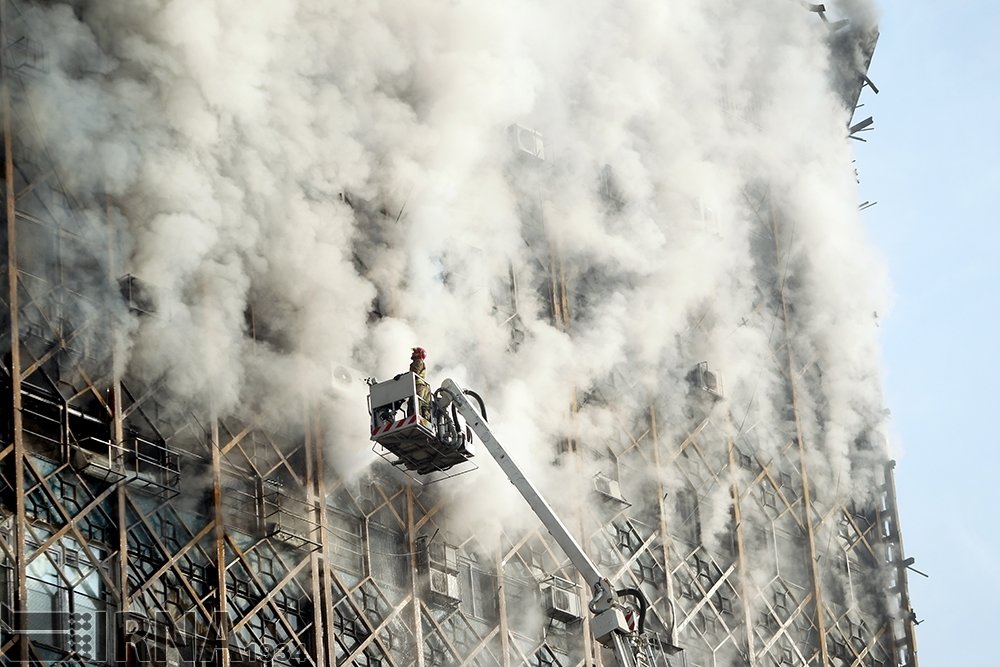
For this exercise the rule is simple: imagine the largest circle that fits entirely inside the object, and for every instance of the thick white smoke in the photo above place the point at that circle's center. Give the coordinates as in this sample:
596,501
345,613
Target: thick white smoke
311,184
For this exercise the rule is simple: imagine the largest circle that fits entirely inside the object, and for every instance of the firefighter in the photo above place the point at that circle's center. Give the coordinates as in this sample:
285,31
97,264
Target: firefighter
419,370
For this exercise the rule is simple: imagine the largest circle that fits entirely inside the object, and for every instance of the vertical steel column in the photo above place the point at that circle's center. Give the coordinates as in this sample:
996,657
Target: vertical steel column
741,555
902,583
502,611
561,317
806,497
314,562
17,434
581,535
326,652
557,279
800,441
411,534
118,439
221,611
125,600
661,494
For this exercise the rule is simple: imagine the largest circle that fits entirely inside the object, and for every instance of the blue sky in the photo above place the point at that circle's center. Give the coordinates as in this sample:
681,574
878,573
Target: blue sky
933,165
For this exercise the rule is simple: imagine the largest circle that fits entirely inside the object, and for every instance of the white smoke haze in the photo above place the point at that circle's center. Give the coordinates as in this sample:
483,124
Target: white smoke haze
311,184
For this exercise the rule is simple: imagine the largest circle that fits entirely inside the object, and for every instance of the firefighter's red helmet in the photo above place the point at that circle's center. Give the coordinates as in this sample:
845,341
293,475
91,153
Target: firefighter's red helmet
419,353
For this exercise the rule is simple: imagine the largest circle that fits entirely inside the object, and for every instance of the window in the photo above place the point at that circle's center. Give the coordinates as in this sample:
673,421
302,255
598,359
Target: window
626,538
479,591
435,654
689,526
521,594
645,570
347,551
371,604
687,590
546,657
706,623
704,570
348,630
67,617
723,604
390,557
241,588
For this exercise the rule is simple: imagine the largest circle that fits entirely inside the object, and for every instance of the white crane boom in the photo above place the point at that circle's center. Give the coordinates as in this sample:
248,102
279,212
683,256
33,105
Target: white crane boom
609,624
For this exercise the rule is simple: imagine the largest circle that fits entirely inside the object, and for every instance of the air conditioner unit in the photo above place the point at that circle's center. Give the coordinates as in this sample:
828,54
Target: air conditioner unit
526,141
137,295
443,584
707,380
561,603
442,556
98,465
609,488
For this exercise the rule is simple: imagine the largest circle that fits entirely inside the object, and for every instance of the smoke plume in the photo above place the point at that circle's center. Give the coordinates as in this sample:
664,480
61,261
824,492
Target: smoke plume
310,185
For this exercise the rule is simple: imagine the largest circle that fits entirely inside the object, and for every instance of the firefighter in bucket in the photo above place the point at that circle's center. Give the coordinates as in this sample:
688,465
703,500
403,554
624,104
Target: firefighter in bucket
419,370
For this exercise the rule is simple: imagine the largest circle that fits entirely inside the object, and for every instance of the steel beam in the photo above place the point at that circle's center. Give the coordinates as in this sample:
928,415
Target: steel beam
806,493
741,559
411,534
221,611
326,650
17,434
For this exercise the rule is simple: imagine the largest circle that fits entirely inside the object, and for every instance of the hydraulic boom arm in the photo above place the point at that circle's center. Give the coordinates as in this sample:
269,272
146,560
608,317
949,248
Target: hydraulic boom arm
609,624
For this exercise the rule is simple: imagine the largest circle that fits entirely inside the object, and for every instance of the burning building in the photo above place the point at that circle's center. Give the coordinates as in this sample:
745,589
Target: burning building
632,227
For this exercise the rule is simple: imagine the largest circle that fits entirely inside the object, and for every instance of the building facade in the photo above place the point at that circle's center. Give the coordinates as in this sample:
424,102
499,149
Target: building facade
136,528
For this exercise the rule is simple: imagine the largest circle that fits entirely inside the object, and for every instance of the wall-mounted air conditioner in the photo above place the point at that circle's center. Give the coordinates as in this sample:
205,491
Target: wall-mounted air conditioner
526,142
98,465
608,488
443,585
561,600
439,561
442,556
707,380
137,294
